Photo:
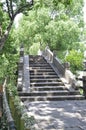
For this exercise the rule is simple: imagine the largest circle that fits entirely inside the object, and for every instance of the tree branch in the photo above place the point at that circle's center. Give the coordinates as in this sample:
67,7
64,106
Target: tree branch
5,36
8,9
12,12
12,15
22,8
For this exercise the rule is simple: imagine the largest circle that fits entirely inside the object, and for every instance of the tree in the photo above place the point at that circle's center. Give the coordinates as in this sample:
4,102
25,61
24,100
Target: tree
13,7
53,25
8,11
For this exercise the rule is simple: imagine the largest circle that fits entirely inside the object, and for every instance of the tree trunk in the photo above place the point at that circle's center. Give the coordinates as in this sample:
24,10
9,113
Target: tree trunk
5,35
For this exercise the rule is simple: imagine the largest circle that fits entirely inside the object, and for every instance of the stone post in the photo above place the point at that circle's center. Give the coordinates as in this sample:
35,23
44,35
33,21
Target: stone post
84,85
21,51
1,101
84,79
54,53
67,65
20,69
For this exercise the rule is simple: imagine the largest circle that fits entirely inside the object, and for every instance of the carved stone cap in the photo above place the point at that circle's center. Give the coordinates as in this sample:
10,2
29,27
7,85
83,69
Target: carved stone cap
67,65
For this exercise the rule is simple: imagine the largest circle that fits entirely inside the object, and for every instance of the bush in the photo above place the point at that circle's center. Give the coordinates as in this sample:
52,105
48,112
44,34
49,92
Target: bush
34,49
76,60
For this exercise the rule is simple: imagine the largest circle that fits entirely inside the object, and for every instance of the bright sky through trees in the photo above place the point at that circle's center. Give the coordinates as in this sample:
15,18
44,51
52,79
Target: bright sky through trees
84,11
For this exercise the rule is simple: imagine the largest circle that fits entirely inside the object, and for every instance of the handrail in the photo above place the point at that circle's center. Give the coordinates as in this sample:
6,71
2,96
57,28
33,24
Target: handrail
26,75
20,70
50,56
10,121
62,70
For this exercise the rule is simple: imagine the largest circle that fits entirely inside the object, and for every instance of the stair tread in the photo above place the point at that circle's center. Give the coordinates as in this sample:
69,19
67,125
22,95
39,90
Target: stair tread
45,84
44,76
39,67
61,97
47,88
39,80
49,92
41,70
38,64
48,73
60,86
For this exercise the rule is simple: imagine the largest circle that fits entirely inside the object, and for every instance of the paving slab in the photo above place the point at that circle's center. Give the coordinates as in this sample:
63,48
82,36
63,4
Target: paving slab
58,115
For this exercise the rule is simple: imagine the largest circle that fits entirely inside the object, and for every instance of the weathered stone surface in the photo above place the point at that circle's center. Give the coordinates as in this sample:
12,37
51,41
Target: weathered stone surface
59,115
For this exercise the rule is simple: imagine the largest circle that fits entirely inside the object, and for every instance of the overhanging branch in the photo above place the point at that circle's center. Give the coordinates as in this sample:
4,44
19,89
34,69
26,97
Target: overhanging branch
22,8
8,8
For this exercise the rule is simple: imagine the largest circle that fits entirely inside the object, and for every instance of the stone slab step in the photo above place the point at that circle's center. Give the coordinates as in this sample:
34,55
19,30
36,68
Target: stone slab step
49,93
41,70
46,80
46,84
44,76
40,67
43,73
33,63
48,88
52,98
38,64
36,57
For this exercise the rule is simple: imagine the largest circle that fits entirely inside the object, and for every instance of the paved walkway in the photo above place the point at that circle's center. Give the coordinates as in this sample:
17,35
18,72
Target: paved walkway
59,115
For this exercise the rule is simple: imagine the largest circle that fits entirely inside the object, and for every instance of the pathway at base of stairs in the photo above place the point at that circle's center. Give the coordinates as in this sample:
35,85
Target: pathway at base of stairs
58,115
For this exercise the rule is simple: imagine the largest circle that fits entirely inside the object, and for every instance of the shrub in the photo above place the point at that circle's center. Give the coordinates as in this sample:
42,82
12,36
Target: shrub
34,49
76,60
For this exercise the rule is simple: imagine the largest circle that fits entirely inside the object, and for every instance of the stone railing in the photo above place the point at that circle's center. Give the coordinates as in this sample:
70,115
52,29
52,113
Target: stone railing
6,109
20,70
51,57
18,116
23,82
26,74
1,101
62,69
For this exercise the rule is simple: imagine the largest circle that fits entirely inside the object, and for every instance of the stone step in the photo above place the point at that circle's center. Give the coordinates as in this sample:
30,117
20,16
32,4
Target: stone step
46,80
49,93
42,70
42,73
52,98
47,88
36,58
46,84
39,64
43,76
39,67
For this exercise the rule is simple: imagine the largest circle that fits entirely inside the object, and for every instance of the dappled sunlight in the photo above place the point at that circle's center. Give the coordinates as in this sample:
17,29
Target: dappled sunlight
56,115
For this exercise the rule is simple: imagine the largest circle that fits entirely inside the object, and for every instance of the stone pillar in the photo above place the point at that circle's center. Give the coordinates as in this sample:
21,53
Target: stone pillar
1,101
67,65
20,69
84,79
21,51
84,85
54,53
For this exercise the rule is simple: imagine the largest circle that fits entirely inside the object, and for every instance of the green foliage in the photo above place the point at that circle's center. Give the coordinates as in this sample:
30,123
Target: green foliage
75,59
3,123
60,32
9,58
1,14
34,49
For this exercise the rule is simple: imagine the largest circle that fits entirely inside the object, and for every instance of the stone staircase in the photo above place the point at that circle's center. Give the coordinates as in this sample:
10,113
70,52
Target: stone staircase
45,84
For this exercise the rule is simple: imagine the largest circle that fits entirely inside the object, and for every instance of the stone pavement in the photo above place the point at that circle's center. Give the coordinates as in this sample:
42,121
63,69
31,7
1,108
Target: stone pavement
58,115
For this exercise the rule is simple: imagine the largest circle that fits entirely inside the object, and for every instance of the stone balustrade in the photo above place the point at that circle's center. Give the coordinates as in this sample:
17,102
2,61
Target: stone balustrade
20,70
62,69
